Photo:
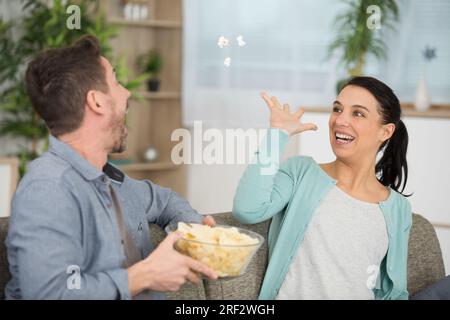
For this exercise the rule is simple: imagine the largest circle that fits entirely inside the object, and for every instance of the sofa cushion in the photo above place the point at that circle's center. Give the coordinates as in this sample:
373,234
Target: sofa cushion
437,291
425,263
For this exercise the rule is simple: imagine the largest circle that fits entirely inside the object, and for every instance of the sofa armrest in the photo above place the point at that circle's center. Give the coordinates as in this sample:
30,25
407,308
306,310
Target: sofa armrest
425,263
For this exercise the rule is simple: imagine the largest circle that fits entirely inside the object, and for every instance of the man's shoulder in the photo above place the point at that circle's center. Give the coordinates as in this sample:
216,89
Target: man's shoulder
48,167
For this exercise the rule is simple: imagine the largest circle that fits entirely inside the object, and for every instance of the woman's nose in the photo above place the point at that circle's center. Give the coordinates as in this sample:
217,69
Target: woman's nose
342,119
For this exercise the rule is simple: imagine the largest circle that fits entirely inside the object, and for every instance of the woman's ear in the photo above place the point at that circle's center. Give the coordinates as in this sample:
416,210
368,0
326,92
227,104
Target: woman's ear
387,131
95,101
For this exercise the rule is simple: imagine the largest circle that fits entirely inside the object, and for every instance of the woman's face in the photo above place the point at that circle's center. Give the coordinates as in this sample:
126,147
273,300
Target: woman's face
355,124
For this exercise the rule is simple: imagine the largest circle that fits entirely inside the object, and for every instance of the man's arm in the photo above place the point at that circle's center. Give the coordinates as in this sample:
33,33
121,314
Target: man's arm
46,238
166,206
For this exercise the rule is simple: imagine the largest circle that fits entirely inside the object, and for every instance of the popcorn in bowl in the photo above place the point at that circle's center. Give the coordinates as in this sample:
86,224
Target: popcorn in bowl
227,250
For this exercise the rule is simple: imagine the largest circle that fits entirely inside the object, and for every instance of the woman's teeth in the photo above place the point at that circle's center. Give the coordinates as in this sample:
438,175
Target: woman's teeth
343,138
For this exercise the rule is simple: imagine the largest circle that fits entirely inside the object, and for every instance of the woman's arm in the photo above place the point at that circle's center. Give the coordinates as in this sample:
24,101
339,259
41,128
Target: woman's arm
265,189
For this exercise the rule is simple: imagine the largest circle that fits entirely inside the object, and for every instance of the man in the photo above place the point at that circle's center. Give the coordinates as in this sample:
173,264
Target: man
79,226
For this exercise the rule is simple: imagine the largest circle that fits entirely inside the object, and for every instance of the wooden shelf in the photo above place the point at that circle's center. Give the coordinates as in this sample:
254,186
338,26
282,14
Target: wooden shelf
160,95
154,115
147,23
441,225
435,111
148,166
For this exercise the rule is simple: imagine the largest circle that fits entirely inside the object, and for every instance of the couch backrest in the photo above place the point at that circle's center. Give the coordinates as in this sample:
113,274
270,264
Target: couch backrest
425,263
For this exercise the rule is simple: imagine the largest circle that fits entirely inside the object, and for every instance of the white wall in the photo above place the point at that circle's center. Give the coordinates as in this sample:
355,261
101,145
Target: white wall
5,190
211,188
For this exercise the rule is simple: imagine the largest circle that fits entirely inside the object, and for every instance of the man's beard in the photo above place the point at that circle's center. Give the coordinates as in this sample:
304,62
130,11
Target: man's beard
120,134
120,145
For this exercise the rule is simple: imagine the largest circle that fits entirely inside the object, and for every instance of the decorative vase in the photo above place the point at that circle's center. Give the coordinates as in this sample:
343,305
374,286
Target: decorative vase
151,154
422,101
153,84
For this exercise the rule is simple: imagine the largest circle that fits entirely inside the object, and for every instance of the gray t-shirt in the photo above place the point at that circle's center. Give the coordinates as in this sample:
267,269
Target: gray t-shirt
341,252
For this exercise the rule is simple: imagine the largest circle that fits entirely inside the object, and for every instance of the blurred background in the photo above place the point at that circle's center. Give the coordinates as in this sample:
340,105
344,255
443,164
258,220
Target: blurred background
207,60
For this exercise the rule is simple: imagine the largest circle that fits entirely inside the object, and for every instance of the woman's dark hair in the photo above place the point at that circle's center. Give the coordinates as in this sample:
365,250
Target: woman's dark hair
392,168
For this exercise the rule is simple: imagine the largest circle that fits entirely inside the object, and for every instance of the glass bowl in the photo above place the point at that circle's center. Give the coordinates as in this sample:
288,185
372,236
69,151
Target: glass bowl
227,260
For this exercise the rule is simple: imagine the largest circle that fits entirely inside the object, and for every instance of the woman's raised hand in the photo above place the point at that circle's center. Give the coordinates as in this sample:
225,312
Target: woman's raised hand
281,116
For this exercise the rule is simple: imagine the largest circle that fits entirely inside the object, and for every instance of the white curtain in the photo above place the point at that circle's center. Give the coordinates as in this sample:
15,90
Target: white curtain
422,23
285,54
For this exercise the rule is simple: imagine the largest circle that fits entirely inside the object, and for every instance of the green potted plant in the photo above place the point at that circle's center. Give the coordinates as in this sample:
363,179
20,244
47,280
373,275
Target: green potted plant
151,64
354,37
20,41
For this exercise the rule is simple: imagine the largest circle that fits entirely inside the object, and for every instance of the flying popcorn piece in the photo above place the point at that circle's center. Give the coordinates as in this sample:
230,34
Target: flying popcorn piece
227,62
240,41
222,42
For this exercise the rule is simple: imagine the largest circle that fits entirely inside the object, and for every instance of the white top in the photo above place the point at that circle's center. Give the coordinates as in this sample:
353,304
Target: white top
341,252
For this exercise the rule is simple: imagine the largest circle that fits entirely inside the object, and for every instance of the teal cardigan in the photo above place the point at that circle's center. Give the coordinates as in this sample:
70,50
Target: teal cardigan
290,195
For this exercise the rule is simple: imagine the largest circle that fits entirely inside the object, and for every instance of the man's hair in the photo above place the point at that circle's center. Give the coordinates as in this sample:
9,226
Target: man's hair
58,81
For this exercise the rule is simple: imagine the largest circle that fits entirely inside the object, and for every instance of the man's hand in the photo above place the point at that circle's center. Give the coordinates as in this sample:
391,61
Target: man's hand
209,221
165,269
281,117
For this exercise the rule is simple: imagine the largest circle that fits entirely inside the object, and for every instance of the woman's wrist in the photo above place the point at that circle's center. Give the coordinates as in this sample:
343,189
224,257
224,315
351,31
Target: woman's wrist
285,131
282,130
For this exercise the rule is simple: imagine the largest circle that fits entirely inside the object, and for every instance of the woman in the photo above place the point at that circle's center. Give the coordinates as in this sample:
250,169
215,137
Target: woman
339,230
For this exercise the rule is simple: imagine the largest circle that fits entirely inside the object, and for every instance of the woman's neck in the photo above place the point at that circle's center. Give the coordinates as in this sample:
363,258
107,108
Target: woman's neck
354,177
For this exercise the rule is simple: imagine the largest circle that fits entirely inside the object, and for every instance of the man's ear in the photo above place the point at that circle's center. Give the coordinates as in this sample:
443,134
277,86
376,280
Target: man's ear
387,131
96,102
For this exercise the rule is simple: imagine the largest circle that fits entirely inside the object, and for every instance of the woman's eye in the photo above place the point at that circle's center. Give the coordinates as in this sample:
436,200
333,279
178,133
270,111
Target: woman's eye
359,114
336,109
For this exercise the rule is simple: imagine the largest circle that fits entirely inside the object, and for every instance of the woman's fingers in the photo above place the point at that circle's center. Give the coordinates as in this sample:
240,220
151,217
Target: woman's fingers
276,102
267,100
209,221
309,126
299,112
272,102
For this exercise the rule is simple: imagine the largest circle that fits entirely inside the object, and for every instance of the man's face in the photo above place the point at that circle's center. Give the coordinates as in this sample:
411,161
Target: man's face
117,97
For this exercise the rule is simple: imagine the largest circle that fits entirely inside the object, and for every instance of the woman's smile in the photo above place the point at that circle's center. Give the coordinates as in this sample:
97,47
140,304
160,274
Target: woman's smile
343,138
